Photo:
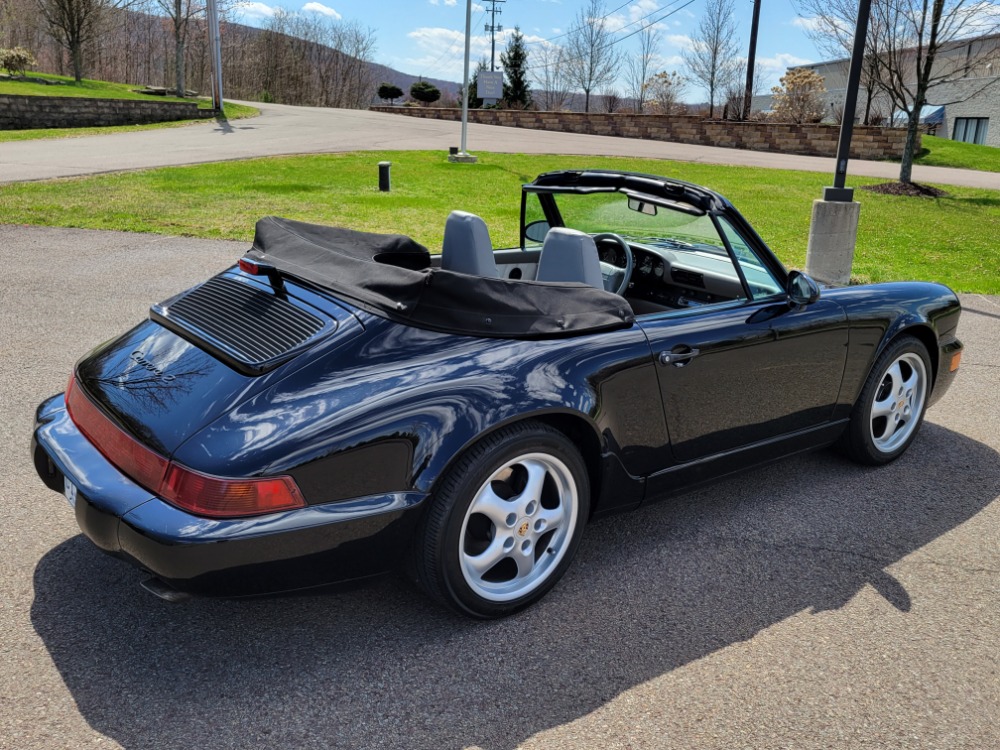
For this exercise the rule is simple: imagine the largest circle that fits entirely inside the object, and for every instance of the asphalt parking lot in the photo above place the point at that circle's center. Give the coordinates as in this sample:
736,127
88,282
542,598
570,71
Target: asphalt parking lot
810,604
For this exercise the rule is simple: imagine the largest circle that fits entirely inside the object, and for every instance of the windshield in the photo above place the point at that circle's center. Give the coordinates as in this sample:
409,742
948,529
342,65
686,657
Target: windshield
609,212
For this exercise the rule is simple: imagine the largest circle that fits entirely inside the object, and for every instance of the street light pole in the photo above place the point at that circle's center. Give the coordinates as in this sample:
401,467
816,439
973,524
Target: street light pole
751,60
833,232
462,155
838,192
215,52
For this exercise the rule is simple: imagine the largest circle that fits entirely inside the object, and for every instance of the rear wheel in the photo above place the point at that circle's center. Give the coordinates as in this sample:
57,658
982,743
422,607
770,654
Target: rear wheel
892,403
505,523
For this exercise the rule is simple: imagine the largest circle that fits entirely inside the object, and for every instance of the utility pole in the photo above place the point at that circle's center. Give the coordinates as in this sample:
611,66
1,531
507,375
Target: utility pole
751,61
492,28
215,52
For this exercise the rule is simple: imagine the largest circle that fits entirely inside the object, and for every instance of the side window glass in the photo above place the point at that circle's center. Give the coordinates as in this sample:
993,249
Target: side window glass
762,282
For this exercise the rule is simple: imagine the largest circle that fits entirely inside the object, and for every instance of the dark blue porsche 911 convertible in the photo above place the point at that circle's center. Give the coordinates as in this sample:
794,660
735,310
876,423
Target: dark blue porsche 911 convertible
341,404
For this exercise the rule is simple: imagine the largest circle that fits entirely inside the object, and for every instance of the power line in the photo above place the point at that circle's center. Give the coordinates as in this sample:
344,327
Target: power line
637,31
605,17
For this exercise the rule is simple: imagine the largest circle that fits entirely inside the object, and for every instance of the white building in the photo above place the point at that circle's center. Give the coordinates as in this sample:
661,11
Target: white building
967,109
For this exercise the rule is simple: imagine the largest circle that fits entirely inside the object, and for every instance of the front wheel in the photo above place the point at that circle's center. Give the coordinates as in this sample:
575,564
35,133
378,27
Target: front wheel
892,403
505,523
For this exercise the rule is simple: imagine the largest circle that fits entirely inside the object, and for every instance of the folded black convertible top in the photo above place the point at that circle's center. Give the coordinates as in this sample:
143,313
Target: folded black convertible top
391,275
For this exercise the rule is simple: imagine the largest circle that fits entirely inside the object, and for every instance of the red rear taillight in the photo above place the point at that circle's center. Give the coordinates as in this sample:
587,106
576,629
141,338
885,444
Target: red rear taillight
214,496
199,493
134,459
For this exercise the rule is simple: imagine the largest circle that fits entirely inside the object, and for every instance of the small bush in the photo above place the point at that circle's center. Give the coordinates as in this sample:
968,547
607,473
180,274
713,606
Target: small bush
17,60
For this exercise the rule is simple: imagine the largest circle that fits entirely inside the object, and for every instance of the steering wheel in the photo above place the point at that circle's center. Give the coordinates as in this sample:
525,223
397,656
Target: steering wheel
616,278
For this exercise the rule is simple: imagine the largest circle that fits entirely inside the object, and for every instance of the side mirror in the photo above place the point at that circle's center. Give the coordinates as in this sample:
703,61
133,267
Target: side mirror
536,231
801,289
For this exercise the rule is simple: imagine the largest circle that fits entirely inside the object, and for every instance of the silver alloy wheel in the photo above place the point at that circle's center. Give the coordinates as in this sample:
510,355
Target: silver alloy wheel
518,527
898,402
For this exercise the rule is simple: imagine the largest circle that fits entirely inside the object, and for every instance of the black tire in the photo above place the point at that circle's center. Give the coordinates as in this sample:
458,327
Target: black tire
532,482
891,406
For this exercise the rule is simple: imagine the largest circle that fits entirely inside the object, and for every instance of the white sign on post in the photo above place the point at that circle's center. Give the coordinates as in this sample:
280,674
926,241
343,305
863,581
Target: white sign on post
489,86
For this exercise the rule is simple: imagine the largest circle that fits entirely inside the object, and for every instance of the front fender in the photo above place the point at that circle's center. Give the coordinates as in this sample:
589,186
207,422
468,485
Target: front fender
877,314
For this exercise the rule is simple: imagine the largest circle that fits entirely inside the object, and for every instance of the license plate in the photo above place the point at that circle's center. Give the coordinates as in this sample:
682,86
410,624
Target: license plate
69,489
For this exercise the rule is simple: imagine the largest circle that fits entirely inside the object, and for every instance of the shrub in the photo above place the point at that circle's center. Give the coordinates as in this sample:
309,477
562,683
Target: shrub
389,91
18,60
424,92
798,98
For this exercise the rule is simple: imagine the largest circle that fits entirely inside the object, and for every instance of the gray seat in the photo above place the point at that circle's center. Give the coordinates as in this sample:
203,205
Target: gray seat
569,255
467,247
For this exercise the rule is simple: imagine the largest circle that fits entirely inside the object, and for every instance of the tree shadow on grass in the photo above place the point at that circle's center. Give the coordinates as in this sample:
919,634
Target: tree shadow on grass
383,667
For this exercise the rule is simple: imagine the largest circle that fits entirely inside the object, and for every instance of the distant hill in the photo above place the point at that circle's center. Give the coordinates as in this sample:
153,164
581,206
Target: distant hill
384,74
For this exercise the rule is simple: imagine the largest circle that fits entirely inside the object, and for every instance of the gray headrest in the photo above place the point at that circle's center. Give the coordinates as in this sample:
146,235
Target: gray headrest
569,255
467,247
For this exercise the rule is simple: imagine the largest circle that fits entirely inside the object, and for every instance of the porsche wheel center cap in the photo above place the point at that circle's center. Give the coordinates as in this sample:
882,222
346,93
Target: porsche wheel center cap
522,529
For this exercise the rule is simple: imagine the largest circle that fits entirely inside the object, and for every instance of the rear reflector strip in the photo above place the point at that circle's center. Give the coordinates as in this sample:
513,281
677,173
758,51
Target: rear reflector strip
201,494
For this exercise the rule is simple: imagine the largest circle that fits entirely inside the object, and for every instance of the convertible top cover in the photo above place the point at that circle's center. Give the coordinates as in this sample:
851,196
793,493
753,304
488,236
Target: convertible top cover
391,275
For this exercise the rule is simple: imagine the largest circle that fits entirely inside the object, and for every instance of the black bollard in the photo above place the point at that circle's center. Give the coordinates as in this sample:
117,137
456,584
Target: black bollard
383,175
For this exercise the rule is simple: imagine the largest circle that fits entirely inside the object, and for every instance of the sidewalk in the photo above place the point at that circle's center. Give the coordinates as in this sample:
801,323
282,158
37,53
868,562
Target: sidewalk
283,130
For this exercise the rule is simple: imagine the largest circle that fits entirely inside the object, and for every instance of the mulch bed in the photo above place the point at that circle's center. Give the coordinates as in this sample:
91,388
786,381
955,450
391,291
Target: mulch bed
911,189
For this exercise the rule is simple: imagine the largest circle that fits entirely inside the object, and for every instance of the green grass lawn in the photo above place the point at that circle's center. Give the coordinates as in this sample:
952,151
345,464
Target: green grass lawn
951,239
66,86
941,152
99,90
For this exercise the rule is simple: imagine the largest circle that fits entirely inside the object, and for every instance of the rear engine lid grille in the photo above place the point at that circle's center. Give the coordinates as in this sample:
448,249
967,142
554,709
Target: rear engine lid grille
248,327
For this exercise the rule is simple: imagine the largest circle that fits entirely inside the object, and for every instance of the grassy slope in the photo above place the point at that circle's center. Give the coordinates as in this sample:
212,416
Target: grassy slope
98,90
941,152
951,239
66,86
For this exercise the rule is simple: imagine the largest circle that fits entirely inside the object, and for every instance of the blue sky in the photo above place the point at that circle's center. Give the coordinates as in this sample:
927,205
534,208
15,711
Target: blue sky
426,37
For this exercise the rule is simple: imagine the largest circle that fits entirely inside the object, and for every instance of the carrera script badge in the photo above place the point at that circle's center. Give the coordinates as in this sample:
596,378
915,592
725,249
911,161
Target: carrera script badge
140,359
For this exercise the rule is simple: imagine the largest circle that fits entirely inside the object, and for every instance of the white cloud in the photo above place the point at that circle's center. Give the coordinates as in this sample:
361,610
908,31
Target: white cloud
256,10
781,62
808,24
681,41
323,10
642,9
449,3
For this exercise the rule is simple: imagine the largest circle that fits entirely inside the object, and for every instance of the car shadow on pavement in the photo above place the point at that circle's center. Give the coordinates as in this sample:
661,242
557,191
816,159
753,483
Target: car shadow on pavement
382,667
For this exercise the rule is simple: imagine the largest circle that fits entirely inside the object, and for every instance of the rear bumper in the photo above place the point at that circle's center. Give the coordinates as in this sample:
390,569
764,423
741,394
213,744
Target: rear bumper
296,549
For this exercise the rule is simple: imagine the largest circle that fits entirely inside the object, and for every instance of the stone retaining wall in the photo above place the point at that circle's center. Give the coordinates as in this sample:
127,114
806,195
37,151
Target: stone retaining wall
788,138
27,112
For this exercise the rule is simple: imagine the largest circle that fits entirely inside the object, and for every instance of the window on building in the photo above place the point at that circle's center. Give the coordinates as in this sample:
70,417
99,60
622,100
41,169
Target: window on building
970,129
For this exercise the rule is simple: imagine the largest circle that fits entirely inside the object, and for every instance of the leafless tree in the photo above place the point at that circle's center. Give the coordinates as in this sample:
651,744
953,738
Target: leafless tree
712,59
934,51
184,16
640,65
548,70
610,100
76,23
734,92
591,58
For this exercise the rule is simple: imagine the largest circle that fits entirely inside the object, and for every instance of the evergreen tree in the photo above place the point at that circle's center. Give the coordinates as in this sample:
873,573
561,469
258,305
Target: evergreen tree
389,91
516,91
425,92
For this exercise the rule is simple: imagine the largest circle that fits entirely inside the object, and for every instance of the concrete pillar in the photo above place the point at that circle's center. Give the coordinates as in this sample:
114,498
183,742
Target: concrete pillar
832,236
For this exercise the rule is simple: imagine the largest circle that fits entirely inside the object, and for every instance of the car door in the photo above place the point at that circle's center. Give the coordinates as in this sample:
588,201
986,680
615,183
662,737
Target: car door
739,372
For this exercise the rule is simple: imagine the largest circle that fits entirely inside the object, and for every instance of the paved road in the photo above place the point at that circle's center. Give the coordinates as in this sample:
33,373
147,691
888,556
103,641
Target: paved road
811,604
298,130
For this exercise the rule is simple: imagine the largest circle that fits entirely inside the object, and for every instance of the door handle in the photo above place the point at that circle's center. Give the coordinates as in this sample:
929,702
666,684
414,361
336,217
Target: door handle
679,358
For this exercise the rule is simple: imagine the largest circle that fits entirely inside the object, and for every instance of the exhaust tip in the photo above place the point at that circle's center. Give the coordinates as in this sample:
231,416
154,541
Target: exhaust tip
164,591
